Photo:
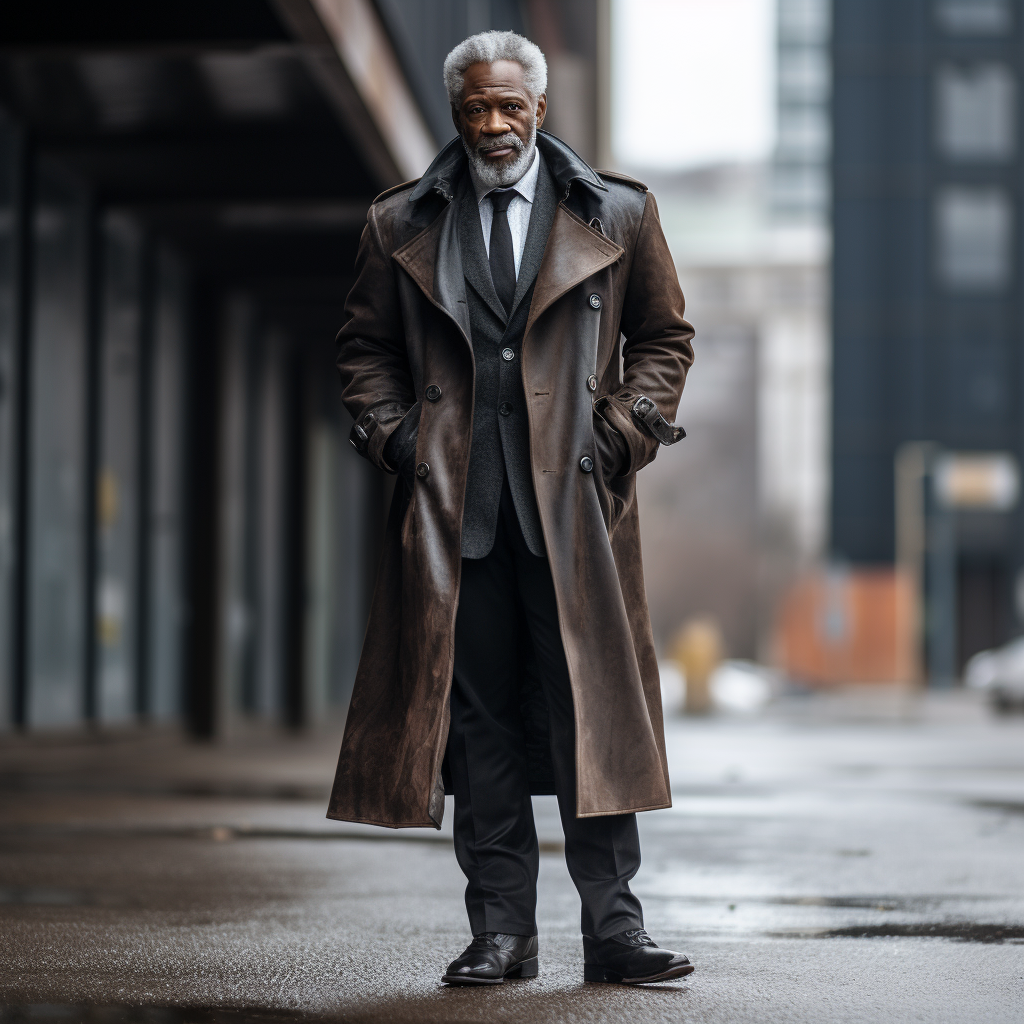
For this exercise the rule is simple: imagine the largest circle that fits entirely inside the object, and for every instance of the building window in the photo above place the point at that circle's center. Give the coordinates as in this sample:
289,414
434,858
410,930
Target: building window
973,234
804,21
803,133
800,188
975,112
803,74
974,17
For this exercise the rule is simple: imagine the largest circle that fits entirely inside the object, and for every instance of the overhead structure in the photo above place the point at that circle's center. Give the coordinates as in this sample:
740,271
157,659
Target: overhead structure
182,188
185,533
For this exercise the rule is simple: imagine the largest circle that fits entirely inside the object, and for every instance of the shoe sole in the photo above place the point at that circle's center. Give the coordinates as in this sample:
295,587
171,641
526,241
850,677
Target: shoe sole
595,972
523,969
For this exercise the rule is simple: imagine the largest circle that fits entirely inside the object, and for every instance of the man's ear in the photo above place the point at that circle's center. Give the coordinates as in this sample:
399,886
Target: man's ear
542,108
455,120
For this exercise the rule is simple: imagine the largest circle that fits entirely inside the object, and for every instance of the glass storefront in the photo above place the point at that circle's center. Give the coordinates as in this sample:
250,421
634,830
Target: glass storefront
165,607
8,416
116,599
58,373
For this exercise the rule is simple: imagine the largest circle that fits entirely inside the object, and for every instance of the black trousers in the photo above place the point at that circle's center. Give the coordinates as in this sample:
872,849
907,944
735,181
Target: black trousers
495,839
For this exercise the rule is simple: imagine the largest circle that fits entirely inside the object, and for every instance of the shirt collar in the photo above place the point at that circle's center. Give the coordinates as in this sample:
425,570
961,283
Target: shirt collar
526,186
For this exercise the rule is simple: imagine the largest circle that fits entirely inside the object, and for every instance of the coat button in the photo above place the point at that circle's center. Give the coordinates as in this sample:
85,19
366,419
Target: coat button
595,301
433,393
592,382
586,463
422,470
508,355
505,408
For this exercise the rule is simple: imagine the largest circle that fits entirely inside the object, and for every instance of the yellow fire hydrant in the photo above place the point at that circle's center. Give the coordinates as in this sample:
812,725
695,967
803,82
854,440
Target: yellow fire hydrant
697,649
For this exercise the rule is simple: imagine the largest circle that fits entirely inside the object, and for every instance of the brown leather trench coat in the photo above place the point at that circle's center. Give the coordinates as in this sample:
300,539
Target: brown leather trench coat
606,285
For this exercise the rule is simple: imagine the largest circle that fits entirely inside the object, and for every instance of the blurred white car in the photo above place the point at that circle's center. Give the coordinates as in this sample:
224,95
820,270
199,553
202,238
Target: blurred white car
1001,674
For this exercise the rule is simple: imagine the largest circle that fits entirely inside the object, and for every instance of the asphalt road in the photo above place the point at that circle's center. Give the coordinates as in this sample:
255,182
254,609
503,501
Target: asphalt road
822,863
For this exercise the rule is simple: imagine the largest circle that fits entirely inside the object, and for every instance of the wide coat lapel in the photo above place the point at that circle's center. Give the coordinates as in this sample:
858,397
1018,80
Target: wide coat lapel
545,201
433,259
574,252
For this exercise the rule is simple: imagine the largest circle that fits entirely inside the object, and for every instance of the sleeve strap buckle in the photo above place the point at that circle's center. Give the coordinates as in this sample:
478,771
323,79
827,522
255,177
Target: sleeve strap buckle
651,422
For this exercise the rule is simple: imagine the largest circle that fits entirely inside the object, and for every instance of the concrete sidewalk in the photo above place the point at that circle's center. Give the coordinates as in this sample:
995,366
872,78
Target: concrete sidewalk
815,868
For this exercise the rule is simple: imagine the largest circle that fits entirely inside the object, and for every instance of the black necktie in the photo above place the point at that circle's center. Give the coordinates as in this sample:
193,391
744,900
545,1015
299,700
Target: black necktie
502,258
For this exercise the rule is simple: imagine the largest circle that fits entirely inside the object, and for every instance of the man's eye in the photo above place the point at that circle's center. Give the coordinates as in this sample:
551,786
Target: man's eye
514,106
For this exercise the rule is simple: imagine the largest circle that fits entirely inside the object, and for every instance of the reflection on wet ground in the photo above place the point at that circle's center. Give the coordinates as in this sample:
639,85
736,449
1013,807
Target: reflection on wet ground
841,871
989,933
1006,806
84,1014
43,782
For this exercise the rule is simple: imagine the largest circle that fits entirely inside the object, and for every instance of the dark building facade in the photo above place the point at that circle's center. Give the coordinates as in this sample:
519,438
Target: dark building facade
927,274
185,534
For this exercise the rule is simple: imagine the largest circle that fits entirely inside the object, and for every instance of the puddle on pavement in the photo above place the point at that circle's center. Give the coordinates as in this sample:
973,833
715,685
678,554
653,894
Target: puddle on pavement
82,1014
186,788
906,904
991,934
855,902
1006,806
229,833
38,895
949,916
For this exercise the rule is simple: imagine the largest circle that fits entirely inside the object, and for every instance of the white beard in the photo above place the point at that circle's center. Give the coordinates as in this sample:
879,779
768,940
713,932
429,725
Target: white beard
494,176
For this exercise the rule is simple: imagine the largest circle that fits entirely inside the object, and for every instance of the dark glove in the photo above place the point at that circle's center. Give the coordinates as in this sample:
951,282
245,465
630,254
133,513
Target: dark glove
400,447
612,449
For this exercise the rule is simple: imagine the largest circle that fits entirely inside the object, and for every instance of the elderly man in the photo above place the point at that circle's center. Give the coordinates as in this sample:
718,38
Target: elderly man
514,350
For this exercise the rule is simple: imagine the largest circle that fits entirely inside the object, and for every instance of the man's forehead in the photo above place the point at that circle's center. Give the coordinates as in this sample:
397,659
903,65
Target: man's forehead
507,75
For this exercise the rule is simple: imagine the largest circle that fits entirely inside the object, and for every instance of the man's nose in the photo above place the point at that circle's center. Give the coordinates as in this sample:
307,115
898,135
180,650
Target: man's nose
497,124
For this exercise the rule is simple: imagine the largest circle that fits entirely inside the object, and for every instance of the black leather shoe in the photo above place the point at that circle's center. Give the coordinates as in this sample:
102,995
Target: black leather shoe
631,958
492,957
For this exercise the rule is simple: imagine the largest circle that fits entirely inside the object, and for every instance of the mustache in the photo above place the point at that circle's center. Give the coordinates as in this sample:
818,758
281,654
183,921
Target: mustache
500,142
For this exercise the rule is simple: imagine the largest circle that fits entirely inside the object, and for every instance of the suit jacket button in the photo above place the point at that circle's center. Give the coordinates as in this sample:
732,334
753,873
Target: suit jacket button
422,470
595,301
433,393
586,463
592,382
508,354
505,408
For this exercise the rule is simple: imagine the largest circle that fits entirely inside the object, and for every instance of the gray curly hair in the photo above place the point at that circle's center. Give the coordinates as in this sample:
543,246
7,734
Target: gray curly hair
486,48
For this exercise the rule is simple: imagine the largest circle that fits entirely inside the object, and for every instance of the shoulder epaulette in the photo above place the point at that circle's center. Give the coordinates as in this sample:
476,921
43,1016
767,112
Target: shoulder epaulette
625,179
395,188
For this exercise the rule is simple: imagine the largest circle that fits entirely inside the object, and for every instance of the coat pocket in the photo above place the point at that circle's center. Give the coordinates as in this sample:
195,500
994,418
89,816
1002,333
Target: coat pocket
613,490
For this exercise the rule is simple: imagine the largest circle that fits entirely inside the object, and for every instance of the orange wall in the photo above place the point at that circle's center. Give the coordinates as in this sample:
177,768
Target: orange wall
855,626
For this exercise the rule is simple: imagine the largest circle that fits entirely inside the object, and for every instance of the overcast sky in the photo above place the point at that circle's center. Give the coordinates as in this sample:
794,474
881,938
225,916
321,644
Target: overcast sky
693,81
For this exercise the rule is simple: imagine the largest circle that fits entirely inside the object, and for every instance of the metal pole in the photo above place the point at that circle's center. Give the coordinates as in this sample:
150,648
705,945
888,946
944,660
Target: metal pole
911,469
941,611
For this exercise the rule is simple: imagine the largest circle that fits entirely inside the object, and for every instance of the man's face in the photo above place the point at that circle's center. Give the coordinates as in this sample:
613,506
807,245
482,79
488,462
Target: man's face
498,119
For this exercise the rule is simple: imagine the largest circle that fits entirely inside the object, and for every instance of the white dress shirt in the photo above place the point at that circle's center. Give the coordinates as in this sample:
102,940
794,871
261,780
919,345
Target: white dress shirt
519,209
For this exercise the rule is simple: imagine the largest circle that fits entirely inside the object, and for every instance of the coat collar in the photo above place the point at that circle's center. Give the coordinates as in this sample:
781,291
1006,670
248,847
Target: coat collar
573,251
451,165
471,242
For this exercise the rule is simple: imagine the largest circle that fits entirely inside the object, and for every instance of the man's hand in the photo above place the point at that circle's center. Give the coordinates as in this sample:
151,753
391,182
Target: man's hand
372,360
400,447
612,449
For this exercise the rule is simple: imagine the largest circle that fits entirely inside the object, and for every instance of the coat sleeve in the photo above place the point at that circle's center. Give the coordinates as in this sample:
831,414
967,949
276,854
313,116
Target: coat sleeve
376,383
658,350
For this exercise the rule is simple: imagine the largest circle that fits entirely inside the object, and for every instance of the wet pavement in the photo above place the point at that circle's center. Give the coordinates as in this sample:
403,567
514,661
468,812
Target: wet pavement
822,862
